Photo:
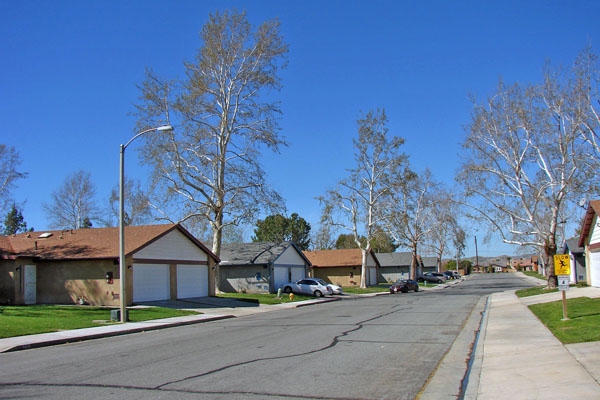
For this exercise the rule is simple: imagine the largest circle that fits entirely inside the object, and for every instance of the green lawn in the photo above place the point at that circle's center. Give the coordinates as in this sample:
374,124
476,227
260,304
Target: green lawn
30,320
583,324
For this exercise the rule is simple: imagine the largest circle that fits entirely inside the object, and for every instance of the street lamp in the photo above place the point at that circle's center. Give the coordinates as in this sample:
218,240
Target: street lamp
122,267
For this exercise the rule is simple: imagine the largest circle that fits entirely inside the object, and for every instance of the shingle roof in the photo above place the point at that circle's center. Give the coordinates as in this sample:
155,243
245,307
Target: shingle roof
336,258
394,259
92,243
255,253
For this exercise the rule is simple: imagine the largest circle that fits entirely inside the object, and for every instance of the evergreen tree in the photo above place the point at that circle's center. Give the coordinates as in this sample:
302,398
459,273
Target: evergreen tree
14,222
277,228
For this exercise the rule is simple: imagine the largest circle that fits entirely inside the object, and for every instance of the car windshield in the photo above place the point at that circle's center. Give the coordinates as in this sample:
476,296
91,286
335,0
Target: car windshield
401,281
321,281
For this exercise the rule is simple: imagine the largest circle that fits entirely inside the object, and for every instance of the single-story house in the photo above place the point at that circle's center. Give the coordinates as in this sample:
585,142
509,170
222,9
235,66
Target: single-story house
260,267
500,264
524,264
394,266
81,266
428,264
576,255
343,267
589,239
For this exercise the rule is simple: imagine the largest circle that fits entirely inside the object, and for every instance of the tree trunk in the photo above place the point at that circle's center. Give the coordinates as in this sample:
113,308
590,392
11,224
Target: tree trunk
363,270
550,252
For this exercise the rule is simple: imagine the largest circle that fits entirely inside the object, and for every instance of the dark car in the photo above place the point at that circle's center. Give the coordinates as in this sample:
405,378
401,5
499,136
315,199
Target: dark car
452,274
432,277
404,285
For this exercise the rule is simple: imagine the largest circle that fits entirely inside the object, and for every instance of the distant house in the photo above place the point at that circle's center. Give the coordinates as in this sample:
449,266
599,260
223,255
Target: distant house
394,266
524,264
260,267
82,266
589,239
576,254
428,264
500,264
343,266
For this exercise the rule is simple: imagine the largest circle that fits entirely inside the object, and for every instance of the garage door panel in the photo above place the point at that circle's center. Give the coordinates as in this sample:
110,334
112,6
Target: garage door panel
151,282
192,281
595,270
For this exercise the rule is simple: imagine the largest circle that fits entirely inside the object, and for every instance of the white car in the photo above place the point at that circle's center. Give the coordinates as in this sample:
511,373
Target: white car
310,286
335,289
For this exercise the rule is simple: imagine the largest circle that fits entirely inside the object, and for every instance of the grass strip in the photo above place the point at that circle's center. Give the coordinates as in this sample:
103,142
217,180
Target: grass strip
34,319
583,324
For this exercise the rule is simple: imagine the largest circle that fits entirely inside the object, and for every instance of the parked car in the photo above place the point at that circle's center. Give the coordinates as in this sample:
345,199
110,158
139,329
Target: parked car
452,274
404,285
432,277
335,289
310,286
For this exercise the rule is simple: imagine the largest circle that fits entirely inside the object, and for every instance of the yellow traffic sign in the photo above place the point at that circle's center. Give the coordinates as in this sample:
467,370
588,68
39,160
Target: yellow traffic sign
562,264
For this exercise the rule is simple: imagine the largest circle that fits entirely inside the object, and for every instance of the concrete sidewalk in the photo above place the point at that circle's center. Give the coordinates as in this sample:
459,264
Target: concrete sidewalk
517,357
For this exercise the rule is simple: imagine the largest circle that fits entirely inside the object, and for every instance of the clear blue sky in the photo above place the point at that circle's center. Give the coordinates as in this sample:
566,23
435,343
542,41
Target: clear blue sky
69,71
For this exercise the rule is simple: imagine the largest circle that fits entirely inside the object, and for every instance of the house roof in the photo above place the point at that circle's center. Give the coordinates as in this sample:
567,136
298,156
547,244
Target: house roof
395,259
255,253
586,225
91,243
572,245
337,258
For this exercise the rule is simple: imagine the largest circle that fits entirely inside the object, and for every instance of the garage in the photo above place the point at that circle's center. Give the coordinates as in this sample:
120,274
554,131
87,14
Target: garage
594,266
192,281
150,282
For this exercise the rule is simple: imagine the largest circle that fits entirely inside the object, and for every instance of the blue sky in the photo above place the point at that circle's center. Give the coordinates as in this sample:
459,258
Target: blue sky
69,72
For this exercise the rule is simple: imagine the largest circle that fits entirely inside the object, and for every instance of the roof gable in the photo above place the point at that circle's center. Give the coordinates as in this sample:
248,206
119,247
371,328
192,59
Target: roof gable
593,209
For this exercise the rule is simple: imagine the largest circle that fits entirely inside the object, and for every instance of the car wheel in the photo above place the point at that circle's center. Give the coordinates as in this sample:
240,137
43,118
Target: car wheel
416,289
318,293
404,290
287,289
439,281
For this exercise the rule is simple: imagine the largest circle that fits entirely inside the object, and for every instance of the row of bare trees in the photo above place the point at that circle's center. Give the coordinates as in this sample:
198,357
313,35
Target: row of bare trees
382,194
530,153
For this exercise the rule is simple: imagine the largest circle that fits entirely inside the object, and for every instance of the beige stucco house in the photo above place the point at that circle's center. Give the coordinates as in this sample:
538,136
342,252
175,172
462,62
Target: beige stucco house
82,266
343,267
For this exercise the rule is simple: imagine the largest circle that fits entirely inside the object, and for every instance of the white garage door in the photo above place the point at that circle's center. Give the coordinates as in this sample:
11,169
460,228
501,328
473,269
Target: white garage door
595,270
285,274
192,281
150,282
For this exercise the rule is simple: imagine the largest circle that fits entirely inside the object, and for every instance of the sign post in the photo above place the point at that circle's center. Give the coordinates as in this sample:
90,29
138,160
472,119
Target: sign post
562,268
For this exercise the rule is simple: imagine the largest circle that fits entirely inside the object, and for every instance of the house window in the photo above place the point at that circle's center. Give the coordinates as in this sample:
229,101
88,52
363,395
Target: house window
351,275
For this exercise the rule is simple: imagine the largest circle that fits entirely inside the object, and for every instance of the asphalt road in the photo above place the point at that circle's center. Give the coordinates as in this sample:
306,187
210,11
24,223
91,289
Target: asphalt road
383,347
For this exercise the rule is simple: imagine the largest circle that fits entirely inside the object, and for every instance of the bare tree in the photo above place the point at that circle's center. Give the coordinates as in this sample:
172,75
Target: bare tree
73,204
138,210
224,116
357,204
445,215
523,163
9,173
410,214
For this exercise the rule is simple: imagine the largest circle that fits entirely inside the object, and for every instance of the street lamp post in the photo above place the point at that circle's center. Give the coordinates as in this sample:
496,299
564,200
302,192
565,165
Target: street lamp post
122,267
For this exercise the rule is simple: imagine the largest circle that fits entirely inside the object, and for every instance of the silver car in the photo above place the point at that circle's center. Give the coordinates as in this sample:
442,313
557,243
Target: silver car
310,286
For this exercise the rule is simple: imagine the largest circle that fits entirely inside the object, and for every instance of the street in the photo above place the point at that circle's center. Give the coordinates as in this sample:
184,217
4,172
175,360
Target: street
358,348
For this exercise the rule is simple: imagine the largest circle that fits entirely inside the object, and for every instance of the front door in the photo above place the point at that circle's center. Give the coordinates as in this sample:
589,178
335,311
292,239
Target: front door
30,284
